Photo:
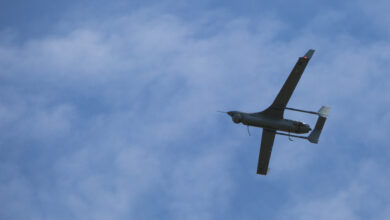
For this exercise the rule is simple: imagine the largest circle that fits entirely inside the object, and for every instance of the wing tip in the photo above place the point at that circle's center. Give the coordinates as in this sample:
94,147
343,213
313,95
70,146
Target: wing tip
262,171
309,54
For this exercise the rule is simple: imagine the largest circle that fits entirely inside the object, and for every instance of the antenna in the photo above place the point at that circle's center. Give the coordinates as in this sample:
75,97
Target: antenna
289,137
221,112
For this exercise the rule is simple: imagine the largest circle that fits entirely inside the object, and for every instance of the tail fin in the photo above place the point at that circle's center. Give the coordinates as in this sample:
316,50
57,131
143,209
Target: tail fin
315,134
324,111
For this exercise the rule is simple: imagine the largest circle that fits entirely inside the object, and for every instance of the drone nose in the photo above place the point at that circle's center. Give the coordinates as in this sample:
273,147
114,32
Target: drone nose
230,113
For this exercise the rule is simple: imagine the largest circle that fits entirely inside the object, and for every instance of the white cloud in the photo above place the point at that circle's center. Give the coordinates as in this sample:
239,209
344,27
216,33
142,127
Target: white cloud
129,104
362,196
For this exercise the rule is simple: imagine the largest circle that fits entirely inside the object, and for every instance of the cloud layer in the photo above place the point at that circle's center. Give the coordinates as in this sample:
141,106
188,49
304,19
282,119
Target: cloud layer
117,119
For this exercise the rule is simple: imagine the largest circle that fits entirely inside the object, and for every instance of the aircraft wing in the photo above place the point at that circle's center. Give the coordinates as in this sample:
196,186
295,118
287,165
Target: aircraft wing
267,141
284,95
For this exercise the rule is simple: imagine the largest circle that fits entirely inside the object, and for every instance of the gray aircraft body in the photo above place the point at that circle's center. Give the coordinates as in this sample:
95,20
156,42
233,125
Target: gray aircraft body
272,120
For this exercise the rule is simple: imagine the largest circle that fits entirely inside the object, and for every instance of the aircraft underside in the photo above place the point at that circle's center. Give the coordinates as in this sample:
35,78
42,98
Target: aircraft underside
272,121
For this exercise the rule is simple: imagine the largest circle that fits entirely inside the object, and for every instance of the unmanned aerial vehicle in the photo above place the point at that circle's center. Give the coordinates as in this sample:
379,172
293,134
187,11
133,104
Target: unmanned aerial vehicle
272,120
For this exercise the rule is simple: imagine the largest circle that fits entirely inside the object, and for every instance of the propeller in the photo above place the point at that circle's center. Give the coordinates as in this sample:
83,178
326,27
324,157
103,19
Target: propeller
249,133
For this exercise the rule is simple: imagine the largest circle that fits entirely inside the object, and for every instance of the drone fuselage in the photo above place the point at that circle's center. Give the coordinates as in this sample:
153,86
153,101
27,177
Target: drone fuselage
263,121
272,118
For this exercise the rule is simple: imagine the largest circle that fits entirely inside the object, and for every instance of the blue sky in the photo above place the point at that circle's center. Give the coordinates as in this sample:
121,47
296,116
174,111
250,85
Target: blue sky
108,109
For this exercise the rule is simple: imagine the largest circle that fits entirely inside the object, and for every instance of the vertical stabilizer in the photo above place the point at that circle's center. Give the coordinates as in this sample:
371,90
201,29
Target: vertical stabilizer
322,115
324,111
